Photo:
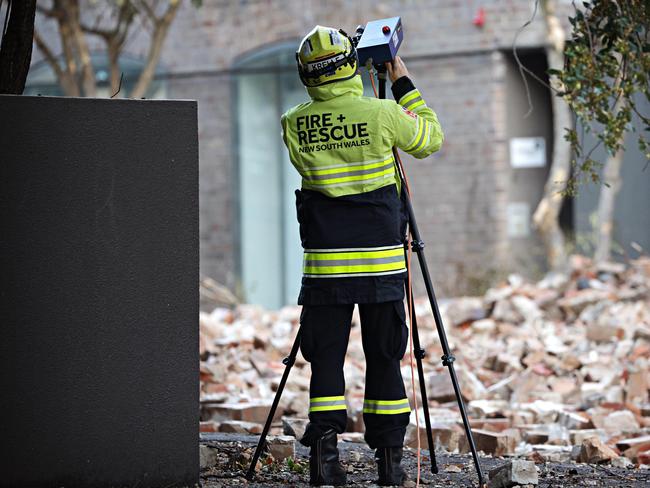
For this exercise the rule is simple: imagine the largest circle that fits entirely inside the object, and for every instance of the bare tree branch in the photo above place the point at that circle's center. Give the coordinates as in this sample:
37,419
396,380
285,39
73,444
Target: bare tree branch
95,30
48,55
148,10
161,27
77,75
70,88
522,68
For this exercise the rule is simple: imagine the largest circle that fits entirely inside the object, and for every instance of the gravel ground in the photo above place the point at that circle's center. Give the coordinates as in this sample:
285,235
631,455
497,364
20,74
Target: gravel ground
235,451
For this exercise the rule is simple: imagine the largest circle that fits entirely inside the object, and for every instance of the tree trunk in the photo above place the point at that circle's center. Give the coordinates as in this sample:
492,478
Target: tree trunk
76,36
546,216
607,200
16,49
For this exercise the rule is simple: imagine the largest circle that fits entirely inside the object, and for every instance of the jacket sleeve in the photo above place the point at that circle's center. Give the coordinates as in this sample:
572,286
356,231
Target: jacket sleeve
416,127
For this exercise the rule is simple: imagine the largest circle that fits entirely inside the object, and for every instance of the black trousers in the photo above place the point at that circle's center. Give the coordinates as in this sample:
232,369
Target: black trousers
324,341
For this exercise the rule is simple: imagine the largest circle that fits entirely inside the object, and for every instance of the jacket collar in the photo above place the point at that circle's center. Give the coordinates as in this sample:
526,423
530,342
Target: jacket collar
352,86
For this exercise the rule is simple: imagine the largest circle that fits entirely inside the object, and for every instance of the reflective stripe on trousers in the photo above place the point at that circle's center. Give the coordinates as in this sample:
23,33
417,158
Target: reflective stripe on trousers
386,407
323,404
369,261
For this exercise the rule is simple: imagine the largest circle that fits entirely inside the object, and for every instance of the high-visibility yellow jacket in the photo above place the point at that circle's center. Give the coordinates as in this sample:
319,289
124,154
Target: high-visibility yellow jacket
352,220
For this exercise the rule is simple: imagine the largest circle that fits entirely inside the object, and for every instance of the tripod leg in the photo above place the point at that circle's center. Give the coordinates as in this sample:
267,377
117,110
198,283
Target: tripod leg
288,362
419,355
447,357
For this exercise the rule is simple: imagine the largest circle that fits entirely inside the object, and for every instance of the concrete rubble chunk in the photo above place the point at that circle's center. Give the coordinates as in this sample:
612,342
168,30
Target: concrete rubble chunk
624,444
526,307
504,311
444,436
207,456
545,453
643,458
484,326
536,436
440,388
636,388
514,473
488,408
611,267
208,426
599,332
464,309
577,436
594,451
495,443
356,437
643,333
471,387
634,451
248,411
281,447
577,301
240,427
621,462
621,421
573,420
294,427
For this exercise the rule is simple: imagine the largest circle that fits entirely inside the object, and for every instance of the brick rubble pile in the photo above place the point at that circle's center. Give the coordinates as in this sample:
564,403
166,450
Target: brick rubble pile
553,371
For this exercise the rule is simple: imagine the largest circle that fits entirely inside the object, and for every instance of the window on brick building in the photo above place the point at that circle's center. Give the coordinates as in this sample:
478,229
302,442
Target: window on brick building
270,256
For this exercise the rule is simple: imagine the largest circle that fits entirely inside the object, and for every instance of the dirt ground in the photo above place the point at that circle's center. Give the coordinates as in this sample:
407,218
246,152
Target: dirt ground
233,453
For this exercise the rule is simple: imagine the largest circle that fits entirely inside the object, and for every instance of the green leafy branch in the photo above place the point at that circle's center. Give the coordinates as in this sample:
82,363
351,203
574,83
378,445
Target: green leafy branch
607,65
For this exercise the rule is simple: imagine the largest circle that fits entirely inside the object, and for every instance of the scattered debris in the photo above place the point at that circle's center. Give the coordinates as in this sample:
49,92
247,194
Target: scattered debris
235,452
546,368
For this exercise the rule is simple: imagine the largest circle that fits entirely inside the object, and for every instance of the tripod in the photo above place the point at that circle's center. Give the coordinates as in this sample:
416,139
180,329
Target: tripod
448,358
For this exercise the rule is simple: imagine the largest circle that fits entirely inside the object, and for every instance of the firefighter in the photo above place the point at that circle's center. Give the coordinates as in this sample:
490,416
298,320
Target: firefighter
353,228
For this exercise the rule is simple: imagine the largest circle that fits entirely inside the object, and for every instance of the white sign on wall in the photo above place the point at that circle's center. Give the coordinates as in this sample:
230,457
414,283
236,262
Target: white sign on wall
518,219
527,152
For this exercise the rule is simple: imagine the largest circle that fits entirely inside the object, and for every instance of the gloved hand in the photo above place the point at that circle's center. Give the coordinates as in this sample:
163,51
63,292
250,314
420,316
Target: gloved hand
396,69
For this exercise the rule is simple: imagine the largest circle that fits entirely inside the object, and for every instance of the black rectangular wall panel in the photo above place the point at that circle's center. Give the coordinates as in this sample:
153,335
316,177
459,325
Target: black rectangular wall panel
99,262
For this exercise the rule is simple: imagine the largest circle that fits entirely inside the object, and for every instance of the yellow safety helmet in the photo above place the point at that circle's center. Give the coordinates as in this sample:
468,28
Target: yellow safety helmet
326,55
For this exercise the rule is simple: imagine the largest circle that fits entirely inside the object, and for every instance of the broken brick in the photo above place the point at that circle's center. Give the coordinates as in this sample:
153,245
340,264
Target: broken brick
594,451
514,473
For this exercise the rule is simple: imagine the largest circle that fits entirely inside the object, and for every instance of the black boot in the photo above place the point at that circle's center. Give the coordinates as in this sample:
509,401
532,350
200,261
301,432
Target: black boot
324,466
388,466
